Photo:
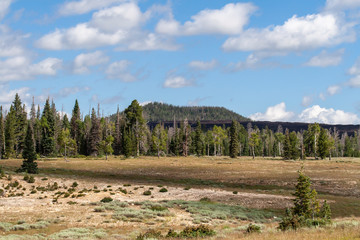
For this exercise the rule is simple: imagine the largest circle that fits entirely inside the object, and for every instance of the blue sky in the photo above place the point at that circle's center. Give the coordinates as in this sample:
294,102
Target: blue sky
269,60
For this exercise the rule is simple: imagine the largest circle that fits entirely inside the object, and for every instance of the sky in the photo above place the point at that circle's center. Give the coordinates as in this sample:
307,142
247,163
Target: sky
268,60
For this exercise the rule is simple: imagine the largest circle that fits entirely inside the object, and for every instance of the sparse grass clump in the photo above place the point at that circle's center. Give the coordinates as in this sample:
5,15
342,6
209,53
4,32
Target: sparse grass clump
252,228
163,190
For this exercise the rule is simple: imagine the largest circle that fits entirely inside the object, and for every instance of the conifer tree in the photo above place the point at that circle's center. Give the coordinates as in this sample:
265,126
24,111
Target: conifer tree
94,137
105,146
19,124
234,140
117,134
323,144
48,130
29,165
2,134
75,128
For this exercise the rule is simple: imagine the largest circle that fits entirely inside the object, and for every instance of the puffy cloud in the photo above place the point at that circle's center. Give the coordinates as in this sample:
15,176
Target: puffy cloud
177,82
336,5
274,113
4,7
119,70
306,101
201,65
10,43
329,116
296,34
7,95
118,25
125,16
332,90
67,91
85,6
228,20
325,59
309,115
21,68
83,61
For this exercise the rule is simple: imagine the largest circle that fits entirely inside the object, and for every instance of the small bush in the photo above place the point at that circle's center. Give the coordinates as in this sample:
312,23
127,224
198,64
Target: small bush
147,193
106,200
252,228
99,209
31,179
163,190
74,185
205,199
235,192
149,234
187,188
195,232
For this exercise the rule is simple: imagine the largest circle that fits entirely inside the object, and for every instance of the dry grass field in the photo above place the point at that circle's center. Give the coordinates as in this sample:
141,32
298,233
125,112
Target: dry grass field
226,194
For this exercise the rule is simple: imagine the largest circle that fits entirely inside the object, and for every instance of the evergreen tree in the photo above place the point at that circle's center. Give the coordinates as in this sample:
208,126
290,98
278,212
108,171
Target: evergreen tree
75,128
65,124
19,124
234,140
286,146
48,130
29,165
94,137
294,146
159,137
2,134
323,144
117,134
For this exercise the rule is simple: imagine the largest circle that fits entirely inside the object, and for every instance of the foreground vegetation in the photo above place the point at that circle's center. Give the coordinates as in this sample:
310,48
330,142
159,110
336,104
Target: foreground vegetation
133,198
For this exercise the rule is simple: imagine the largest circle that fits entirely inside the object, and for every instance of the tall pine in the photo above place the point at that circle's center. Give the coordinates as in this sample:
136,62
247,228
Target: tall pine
29,165
234,140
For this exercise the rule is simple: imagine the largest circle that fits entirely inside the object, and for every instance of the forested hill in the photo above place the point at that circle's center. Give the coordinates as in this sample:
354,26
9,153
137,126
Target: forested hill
159,112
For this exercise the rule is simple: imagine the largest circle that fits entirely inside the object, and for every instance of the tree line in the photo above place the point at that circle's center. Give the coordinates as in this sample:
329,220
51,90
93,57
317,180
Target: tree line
53,134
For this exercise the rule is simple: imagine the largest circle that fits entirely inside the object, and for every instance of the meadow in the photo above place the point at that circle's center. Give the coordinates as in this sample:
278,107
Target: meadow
150,197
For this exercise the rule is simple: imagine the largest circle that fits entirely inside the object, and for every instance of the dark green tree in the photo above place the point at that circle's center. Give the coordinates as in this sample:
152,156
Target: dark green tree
10,133
29,165
94,137
48,130
323,144
234,140
2,134
75,126
117,134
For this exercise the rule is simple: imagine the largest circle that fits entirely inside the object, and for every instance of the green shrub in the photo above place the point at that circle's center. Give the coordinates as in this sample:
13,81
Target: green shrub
205,199
74,185
147,193
196,232
252,228
235,192
106,200
149,234
31,179
163,190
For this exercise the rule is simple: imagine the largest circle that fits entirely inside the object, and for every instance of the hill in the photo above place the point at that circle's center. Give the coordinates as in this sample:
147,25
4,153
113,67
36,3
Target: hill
160,112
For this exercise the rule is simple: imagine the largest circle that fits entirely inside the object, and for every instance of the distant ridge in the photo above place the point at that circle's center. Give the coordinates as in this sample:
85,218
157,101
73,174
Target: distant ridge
160,112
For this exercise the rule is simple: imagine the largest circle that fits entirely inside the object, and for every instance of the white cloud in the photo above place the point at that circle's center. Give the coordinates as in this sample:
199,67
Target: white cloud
228,20
308,115
85,6
67,91
7,95
325,59
119,70
306,101
83,61
4,7
322,96
253,61
341,4
21,68
332,90
125,16
329,116
354,82
296,34
274,113
177,82
355,69
201,65
118,25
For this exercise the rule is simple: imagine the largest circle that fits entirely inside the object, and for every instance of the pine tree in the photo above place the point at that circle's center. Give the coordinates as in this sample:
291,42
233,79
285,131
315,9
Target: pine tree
325,212
323,144
94,137
29,165
48,130
304,196
75,128
117,134
2,134
20,123
234,140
